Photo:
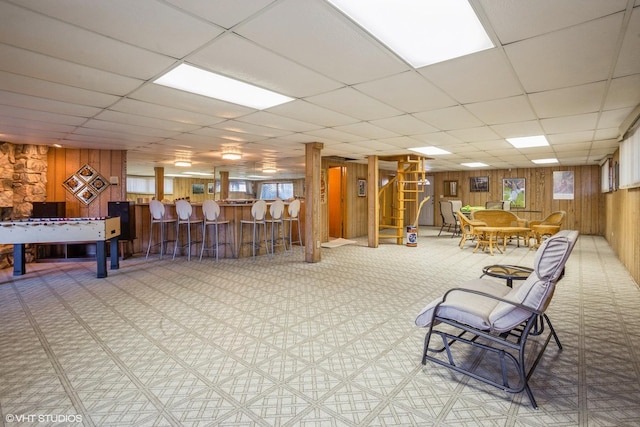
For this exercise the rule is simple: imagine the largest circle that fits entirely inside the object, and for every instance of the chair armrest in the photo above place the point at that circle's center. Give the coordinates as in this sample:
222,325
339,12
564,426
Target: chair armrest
490,296
534,222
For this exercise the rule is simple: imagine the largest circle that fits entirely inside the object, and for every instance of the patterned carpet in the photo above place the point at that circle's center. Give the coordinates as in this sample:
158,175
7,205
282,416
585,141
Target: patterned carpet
279,342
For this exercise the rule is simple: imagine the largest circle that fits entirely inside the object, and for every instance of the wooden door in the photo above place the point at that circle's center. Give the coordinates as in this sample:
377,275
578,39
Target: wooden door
335,201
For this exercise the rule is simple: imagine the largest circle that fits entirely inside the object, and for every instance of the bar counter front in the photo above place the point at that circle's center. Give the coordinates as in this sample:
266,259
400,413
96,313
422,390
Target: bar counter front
231,210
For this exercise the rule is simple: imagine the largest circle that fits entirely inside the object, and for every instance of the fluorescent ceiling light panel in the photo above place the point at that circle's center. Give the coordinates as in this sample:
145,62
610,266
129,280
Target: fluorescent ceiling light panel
196,80
182,164
544,161
529,141
429,151
422,32
474,165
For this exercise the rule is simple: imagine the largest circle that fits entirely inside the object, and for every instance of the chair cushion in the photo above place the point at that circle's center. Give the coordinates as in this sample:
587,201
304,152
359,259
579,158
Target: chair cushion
467,308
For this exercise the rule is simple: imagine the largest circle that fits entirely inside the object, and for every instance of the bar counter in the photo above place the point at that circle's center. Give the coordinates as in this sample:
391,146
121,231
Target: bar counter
233,210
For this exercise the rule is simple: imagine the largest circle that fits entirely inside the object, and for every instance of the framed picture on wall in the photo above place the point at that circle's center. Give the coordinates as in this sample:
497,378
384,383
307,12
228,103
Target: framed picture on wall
514,190
479,184
563,185
362,187
211,188
197,188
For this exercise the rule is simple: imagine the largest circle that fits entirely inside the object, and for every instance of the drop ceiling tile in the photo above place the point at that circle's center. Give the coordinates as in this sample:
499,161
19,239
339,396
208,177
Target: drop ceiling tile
570,123
572,147
43,67
499,144
623,92
112,135
125,128
36,87
139,108
482,133
307,112
440,139
629,60
267,119
251,129
133,119
228,135
366,130
569,57
514,130
40,116
500,111
77,45
611,118
332,134
353,103
569,101
405,124
513,21
46,105
404,142
156,94
611,133
449,118
570,137
29,125
225,13
239,58
170,32
311,32
407,91
473,78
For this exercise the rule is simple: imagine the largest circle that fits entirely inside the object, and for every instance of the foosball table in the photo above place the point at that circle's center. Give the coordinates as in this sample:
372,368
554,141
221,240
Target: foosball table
62,230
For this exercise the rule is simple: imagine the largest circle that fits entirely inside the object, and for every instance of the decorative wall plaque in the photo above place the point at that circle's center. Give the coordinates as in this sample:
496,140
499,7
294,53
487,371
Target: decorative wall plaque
86,184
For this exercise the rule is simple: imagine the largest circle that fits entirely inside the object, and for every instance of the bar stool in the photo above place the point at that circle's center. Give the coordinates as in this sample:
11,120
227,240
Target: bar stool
294,216
211,212
157,211
184,211
258,213
276,211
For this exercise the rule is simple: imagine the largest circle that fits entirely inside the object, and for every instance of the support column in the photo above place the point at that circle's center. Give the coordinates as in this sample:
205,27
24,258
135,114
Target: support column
373,202
159,180
312,227
224,185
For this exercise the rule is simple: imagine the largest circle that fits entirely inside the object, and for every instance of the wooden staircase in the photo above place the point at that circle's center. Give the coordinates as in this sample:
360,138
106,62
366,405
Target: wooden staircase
401,196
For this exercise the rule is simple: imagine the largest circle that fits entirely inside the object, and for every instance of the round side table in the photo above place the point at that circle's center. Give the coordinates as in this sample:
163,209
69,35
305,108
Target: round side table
507,272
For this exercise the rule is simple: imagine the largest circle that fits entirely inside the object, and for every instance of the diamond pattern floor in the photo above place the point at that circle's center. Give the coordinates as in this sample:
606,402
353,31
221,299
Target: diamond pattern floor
276,341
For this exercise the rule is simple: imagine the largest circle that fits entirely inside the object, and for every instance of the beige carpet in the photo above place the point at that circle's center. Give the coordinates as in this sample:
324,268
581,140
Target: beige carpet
336,243
276,341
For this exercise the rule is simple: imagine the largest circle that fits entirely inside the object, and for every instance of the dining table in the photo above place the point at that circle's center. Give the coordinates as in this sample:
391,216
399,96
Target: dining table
489,237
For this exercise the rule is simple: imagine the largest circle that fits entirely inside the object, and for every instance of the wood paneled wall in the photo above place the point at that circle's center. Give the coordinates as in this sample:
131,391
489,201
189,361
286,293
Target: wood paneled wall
62,163
621,229
585,212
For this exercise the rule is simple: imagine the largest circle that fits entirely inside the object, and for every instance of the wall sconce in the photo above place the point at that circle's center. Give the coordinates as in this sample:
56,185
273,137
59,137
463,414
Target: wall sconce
231,153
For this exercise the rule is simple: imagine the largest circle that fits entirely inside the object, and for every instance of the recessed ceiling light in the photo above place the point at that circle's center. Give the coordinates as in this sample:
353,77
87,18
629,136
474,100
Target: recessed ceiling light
544,161
195,80
429,151
529,141
422,32
474,165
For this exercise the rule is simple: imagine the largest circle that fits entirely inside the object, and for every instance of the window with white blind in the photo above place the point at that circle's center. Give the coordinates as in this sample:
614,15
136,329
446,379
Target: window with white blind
630,161
147,185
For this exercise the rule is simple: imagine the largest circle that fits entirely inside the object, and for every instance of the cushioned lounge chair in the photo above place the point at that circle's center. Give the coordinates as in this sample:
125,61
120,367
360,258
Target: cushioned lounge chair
486,315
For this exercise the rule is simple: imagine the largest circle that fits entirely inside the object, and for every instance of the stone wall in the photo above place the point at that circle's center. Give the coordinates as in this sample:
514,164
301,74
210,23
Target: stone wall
23,180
